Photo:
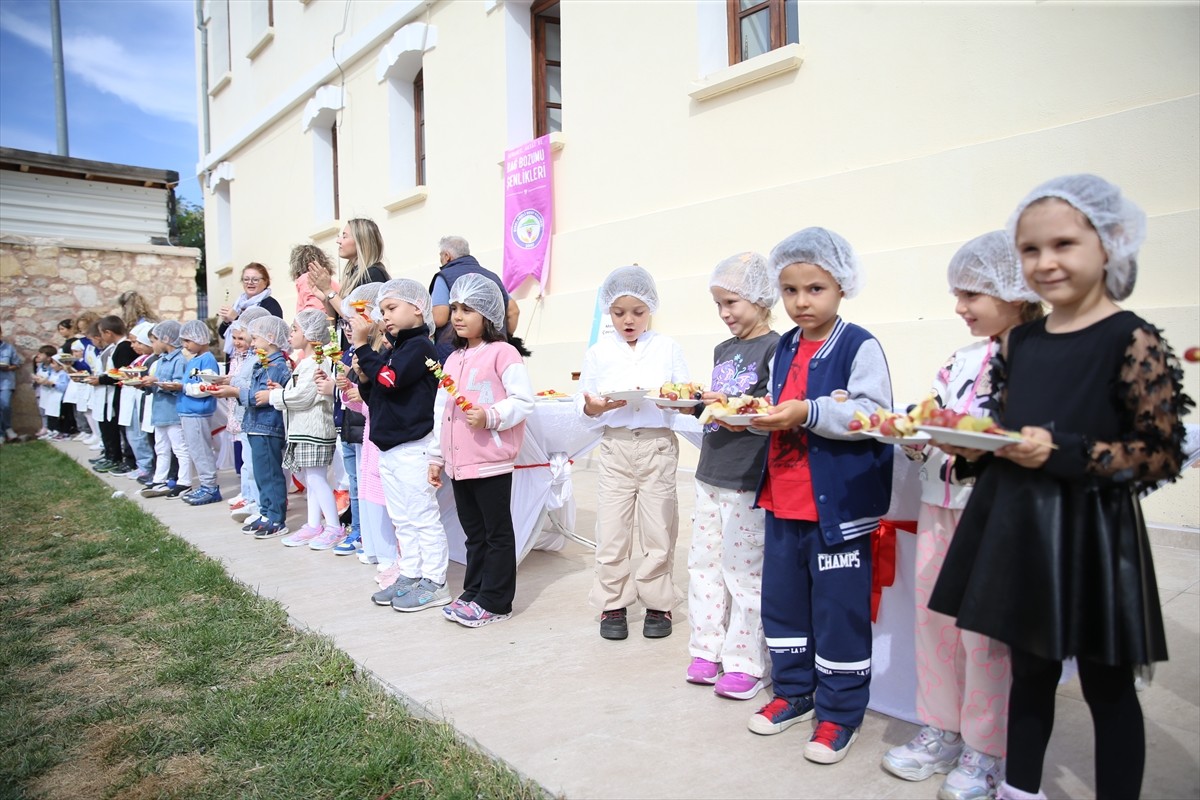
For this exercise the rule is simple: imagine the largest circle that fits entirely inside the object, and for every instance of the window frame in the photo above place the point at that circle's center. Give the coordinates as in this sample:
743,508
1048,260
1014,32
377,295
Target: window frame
777,25
541,105
333,146
418,87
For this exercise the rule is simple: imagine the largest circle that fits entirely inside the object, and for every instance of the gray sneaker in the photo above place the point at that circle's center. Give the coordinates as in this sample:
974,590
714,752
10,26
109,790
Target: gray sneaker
402,585
157,490
931,751
425,594
976,777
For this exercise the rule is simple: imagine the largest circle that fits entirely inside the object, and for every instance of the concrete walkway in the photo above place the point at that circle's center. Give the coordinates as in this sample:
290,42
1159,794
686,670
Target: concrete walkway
589,718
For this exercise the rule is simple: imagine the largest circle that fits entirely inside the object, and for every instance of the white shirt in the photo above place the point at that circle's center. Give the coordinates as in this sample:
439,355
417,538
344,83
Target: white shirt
612,365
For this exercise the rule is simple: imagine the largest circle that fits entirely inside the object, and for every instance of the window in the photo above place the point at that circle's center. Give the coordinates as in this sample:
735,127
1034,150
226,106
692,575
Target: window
419,123
218,38
337,211
262,26
547,68
321,119
759,26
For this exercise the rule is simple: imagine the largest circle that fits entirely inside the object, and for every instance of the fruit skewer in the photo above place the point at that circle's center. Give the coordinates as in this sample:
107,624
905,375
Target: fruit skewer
447,383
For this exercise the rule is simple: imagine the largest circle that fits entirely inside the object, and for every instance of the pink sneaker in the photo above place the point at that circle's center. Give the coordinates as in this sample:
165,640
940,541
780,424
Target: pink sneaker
331,535
302,536
701,670
388,576
738,686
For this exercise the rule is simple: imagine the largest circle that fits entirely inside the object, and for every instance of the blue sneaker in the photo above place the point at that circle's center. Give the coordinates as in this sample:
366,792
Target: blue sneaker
203,496
780,714
349,546
830,743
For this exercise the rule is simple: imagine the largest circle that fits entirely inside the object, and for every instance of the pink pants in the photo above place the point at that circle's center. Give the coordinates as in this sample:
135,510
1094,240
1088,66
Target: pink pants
962,677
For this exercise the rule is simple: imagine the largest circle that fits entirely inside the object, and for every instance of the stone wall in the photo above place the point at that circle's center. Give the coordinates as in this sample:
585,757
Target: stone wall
43,281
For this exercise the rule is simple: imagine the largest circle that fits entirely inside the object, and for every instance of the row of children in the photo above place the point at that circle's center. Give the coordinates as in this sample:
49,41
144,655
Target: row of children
780,562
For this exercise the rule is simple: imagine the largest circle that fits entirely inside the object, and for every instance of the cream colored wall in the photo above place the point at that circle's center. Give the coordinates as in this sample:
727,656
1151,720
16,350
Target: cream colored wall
909,129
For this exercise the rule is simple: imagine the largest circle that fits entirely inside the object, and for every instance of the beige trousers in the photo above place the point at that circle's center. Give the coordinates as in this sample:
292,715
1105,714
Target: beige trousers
636,481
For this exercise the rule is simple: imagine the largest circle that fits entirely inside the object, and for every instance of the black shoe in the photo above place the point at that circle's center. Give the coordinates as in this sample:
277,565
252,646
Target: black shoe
177,490
613,624
657,624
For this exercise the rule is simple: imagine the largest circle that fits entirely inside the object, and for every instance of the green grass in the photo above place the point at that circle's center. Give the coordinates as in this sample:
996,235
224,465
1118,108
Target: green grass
132,666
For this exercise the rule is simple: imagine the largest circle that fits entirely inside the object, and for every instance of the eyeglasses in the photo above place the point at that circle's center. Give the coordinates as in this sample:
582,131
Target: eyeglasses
251,280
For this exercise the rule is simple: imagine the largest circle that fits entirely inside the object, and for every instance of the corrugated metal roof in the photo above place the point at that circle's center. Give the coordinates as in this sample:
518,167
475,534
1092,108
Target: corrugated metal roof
54,206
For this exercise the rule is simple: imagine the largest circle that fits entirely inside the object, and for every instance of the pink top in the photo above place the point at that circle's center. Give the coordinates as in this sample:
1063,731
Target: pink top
307,298
370,485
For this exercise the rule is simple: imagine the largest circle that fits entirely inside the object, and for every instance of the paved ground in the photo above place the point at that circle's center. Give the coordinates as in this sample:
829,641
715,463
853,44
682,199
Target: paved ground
588,718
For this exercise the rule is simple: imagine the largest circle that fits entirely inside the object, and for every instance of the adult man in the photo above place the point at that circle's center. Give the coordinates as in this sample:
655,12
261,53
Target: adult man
10,362
454,254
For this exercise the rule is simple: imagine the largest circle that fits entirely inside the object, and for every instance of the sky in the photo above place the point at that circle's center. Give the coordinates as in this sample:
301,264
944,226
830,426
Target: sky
130,77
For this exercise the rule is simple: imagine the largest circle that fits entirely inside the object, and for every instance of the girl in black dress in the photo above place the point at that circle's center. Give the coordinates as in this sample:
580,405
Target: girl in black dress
1051,556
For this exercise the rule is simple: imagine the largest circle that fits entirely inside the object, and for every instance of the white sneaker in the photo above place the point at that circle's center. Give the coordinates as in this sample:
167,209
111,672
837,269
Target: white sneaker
244,513
976,777
96,446
233,501
929,752
80,437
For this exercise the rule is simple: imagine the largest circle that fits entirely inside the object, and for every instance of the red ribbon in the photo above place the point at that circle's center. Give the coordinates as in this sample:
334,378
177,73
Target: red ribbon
534,466
883,558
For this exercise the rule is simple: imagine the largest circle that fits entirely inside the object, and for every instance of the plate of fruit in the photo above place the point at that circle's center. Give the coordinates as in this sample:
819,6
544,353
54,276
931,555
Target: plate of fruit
738,410
888,427
624,394
676,395
946,426
552,394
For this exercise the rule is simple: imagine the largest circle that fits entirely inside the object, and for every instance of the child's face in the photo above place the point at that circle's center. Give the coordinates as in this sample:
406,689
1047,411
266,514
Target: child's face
260,343
141,349
811,297
467,322
195,348
630,316
109,337
986,316
743,318
1061,254
65,331
399,315
240,341
297,339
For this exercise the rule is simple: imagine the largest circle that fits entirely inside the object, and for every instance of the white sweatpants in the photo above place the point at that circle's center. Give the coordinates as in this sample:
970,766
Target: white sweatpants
378,532
725,566
169,439
412,505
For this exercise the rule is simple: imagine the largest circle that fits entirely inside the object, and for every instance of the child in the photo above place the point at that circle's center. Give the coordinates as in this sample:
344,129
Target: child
167,384
106,395
477,442
89,361
824,495
639,455
400,390
132,400
962,694
725,561
48,399
196,408
239,368
1051,556
310,434
262,424
301,257
66,329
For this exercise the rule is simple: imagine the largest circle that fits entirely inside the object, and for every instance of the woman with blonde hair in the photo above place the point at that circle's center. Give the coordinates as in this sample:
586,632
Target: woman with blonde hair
361,244
135,309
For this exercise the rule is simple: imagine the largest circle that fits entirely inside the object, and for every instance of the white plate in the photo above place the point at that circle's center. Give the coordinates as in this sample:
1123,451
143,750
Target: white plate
739,419
626,394
920,437
664,402
976,440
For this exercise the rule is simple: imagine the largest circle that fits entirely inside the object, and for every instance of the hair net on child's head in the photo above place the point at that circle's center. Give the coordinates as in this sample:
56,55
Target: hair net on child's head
195,330
1120,224
480,294
273,330
747,275
408,291
629,282
825,249
989,265
363,294
250,314
141,332
167,332
314,325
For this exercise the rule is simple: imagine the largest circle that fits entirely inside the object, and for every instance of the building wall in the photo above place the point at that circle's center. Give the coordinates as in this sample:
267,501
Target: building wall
908,128
43,281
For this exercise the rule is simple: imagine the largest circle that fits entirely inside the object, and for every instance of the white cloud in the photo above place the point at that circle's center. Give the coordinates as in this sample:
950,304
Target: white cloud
160,81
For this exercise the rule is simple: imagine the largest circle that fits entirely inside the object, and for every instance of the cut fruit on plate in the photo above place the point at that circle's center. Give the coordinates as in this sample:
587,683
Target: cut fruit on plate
738,419
664,402
920,437
975,440
625,394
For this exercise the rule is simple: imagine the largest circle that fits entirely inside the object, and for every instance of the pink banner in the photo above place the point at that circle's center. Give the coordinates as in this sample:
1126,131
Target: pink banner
528,205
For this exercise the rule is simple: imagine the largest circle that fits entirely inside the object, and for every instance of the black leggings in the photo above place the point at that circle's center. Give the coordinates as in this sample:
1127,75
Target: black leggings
1116,719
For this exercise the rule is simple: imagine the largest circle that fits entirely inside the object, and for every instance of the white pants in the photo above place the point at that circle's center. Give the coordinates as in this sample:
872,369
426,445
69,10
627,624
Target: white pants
197,431
169,439
378,532
412,505
725,567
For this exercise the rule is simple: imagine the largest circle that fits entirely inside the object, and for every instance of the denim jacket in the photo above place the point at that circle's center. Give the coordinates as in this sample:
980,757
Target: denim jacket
265,419
170,370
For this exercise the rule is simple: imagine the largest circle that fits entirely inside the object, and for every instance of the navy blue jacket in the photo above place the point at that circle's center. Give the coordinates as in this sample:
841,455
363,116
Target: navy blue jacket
465,265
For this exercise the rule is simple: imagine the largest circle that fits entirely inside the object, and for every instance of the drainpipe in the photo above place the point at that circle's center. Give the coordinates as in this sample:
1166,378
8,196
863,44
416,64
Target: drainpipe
60,83
200,26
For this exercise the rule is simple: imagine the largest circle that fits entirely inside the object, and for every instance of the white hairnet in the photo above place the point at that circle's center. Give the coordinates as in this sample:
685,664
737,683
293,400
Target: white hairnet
314,325
1120,224
167,332
363,294
195,330
747,275
629,282
250,314
480,294
989,265
142,331
825,249
408,291
273,330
